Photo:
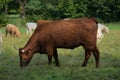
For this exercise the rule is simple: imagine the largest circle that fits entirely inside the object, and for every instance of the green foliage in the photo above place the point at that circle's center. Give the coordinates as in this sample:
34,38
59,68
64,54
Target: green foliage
4,2
3,19
3,11
103,10
32,10
33,5
16,20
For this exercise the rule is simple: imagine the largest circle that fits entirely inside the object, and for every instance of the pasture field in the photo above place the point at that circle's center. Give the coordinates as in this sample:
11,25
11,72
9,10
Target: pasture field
70,60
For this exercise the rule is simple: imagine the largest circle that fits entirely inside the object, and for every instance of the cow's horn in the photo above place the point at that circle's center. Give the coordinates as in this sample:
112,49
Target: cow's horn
15,47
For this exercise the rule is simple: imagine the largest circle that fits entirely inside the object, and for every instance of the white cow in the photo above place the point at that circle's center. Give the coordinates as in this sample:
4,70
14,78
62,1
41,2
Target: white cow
101,30
30,27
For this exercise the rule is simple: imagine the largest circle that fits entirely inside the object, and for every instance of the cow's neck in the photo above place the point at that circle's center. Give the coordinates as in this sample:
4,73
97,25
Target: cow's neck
32,44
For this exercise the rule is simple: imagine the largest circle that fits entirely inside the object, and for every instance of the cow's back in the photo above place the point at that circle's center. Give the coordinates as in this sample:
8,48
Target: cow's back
69,33
10,27
40,22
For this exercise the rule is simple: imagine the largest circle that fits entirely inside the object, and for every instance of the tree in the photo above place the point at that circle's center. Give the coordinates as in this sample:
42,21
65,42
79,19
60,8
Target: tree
104,10
4,11
4,4
22,4
34,10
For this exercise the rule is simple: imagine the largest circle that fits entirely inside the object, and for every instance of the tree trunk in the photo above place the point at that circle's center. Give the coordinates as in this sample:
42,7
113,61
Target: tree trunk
22,4
22,11
6,9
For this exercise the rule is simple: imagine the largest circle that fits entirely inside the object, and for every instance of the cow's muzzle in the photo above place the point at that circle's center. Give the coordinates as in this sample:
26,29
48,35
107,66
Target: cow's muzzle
23,63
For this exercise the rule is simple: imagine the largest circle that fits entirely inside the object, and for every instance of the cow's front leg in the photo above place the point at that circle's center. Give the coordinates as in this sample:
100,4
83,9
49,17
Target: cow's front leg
49,53
49,59
56,57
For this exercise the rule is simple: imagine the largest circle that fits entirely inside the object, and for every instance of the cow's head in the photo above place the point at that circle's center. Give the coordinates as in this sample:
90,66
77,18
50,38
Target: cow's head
25,57
105,30
18,34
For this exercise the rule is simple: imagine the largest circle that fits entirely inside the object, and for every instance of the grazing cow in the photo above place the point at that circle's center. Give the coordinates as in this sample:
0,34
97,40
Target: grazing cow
40,22
12,30
30,27
101,30
62,34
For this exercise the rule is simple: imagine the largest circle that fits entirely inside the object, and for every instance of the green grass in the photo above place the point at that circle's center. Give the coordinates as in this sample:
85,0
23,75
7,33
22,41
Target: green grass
113,26
70,61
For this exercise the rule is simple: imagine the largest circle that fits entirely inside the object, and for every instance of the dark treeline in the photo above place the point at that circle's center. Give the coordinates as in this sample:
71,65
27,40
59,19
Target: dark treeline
32,10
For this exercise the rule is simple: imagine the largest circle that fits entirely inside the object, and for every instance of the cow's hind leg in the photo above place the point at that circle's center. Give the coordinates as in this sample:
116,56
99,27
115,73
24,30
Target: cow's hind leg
56,57
96,55
10,33
87,56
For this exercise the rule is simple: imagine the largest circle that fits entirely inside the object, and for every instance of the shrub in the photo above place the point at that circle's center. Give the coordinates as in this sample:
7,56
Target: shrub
3,20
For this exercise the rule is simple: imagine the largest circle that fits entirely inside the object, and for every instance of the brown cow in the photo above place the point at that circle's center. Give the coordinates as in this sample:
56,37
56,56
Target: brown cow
62,34
12,30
